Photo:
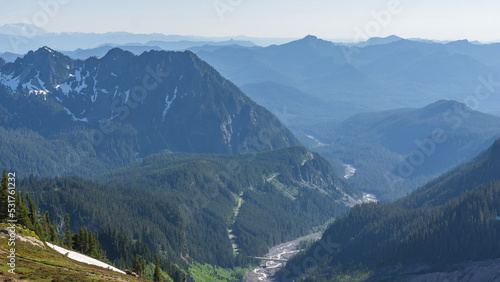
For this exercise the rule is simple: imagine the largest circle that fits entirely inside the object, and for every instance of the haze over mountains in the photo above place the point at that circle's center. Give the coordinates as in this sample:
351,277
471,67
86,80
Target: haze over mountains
202,149
21,38
396,151
400,73
379,74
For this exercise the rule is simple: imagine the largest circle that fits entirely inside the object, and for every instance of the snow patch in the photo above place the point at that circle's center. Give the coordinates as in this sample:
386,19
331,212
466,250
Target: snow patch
73,117
104,91
95,92
167,103
349,171
369,198
80,81
38,88
83,258
9,81
39,92
113,74
127,94
40,82
65,88
318,143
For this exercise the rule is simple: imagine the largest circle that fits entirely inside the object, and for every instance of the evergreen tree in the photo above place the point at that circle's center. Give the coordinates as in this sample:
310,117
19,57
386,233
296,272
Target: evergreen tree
143,267
68,242
85,241
46,226
53,234
77,241
4,187
94,250
136,265
157,275
22,213
34,217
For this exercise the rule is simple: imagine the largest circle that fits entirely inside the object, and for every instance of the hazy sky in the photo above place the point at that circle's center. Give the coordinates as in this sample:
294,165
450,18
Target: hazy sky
330,19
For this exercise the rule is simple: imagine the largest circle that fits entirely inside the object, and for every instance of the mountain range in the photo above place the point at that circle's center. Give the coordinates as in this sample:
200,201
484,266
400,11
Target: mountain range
156,101
393,73
21,38
159,154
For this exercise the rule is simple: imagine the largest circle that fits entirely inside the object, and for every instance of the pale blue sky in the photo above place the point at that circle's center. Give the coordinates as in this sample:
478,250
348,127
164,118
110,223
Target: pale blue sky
332,19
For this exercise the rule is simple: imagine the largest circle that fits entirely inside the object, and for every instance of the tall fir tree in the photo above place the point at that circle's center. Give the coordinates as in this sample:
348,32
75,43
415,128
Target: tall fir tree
94,250
22,213
68,241
157,274
136,267
143,267
34,217
4,187
85,241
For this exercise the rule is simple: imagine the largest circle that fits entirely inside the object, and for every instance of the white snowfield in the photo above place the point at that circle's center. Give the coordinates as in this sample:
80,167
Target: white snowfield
83,258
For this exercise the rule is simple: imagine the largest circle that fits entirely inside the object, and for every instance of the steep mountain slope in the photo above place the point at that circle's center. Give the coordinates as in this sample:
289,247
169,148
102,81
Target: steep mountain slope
165,100
482,169
454,219
396,151
184,204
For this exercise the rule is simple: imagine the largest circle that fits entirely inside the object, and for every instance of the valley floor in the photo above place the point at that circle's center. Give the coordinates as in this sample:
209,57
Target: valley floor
283,251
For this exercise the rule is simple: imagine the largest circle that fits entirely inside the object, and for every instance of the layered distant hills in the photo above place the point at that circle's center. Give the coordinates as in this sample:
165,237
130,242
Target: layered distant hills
390,73
396,151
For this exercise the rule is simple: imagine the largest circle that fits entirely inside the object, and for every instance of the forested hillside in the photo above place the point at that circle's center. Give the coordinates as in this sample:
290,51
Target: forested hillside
455,218
183,204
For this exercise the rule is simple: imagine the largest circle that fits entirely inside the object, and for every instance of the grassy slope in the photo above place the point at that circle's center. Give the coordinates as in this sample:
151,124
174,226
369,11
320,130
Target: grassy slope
210,273
44,264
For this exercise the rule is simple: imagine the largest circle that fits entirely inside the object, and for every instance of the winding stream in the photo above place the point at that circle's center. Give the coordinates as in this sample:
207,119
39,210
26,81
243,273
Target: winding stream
283,251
